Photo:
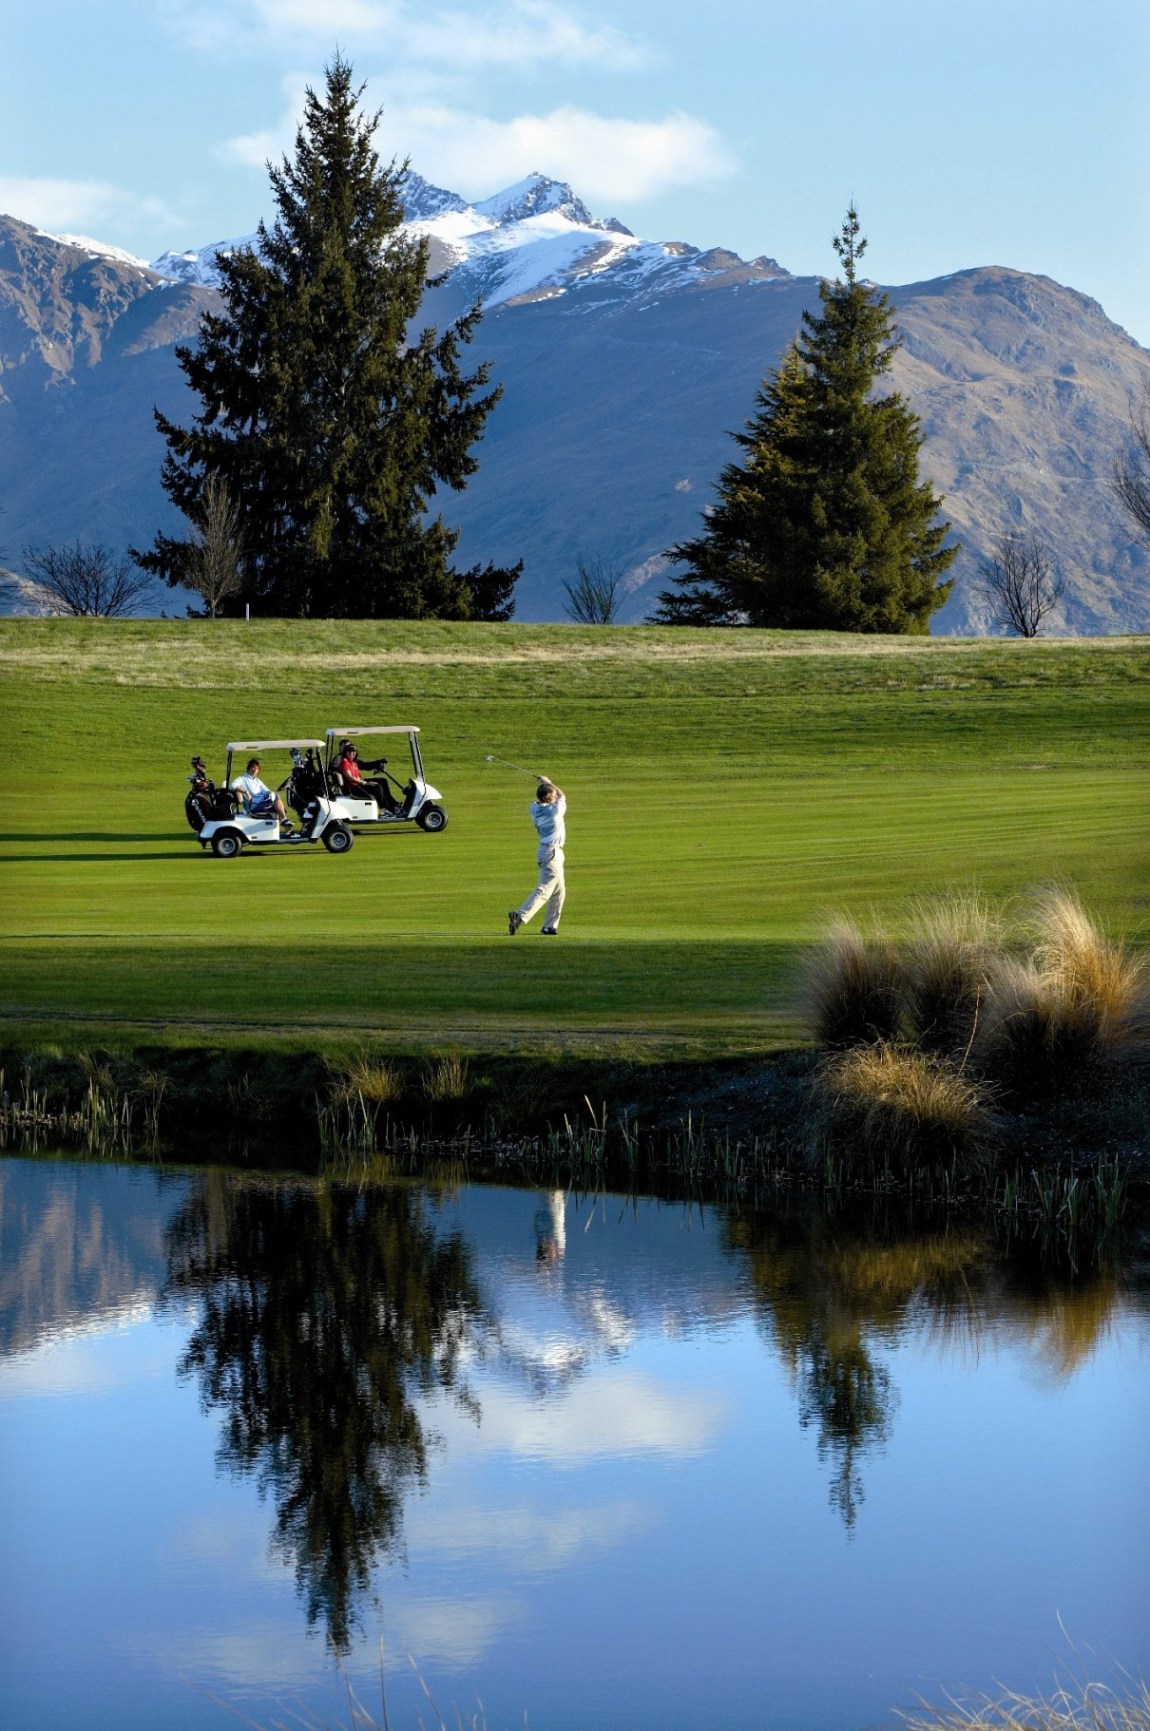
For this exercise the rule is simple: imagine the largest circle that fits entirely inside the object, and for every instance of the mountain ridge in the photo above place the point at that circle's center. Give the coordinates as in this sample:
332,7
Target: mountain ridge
626,364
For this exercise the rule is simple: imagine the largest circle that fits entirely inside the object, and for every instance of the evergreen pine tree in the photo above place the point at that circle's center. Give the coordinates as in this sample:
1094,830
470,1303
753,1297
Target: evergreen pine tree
328,424
826,524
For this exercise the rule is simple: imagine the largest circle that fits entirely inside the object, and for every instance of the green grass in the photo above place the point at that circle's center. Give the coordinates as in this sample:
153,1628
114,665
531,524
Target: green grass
726,791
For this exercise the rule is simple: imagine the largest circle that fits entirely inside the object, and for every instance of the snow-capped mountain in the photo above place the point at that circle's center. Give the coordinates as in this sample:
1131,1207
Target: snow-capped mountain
100,249
534,240
624,364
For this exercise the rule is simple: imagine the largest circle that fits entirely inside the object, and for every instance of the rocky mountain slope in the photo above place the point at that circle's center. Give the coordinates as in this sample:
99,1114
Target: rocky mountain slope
625,363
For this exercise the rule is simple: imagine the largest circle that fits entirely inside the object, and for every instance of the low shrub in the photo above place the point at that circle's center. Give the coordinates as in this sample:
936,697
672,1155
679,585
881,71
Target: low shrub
855,989
882,1105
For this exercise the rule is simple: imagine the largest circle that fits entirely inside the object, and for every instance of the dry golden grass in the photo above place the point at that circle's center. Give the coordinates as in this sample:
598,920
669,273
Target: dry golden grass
854,989
198,653
949,954
1078,998
373,1080
1088,1707
1086,968
445,1078
885,1106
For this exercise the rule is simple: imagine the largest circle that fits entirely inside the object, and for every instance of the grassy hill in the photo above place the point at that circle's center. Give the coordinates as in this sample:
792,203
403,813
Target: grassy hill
726,790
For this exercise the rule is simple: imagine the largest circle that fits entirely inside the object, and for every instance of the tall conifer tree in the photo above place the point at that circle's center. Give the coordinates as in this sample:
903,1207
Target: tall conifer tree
329,422
826,524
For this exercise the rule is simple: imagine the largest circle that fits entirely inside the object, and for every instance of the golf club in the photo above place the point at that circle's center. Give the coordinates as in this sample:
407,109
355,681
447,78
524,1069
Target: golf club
536,775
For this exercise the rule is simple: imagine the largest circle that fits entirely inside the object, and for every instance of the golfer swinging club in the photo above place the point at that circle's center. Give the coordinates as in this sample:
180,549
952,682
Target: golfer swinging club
548,809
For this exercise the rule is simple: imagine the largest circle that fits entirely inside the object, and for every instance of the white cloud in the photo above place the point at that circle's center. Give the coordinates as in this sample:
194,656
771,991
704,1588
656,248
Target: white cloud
520,34
234,1657
607,160
604,158
620,1413
78,204
254,149
530,1539
453,1631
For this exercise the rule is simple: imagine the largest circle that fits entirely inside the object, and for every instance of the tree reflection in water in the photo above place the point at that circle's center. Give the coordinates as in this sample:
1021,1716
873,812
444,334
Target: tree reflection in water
834,1290
324,1310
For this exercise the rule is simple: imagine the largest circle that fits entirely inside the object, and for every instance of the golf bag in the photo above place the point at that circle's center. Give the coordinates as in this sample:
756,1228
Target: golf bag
306,782
205,800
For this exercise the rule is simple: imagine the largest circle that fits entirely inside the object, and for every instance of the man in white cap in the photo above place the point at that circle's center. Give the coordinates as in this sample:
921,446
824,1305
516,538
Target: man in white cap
548,810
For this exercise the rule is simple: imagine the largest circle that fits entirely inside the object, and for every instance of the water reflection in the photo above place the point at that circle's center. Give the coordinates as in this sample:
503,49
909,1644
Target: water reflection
834,1292
324,1312
79,1244
333,1332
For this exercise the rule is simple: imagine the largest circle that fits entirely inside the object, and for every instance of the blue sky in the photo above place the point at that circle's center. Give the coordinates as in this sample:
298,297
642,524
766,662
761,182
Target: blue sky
970,132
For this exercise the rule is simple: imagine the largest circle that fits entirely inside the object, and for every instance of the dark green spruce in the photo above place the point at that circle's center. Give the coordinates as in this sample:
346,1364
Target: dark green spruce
329,420
825,524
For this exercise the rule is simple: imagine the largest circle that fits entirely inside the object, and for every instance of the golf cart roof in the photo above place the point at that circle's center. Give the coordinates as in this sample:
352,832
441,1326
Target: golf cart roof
354,732
275,744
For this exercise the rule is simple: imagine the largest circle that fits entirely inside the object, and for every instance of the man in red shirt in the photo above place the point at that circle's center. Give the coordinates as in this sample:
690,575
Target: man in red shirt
354,783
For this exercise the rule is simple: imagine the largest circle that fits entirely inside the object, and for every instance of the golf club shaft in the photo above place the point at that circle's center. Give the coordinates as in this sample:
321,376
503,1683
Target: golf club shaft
507,764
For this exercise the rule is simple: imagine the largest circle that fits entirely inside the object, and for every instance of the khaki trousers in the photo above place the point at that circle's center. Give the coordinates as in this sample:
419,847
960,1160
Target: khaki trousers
551,888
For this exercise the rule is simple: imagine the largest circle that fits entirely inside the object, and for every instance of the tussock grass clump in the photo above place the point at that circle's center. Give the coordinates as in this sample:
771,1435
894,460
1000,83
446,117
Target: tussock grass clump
368,1078
1031,1035
1028,1016
884,1105
1102,980
445,1079
949,956
855,989
1078,998
1088,1707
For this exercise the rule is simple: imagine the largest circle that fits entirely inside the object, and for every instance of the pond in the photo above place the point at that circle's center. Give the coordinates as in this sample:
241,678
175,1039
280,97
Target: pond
589,1461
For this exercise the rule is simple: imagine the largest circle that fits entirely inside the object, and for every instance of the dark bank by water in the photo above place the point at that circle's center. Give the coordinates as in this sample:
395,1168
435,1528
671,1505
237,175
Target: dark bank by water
612,1463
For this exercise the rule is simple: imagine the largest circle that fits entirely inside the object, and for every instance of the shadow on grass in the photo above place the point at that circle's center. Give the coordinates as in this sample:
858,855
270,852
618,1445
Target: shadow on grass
191,850
89,858
189,847
472,978
60,835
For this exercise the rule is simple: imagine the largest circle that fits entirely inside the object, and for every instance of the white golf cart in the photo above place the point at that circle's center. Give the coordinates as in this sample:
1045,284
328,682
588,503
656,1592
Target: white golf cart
227,826
413,800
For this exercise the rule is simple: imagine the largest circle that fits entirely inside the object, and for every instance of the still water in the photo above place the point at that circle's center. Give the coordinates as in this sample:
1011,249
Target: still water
604,1463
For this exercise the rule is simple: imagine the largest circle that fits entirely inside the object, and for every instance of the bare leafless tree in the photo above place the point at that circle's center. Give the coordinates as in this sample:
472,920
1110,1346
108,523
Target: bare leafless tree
214,567
88,581
1022,583
593,598
1130,476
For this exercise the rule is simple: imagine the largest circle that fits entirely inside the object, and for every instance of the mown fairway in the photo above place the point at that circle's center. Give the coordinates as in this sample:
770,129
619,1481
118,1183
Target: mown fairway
726,790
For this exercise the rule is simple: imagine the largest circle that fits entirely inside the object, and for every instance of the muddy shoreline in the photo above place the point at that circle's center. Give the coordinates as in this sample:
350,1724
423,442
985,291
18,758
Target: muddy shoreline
712,1122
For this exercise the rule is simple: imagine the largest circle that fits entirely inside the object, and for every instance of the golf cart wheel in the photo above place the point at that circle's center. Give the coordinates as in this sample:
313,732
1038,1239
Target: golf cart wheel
432,818
227,844
338,838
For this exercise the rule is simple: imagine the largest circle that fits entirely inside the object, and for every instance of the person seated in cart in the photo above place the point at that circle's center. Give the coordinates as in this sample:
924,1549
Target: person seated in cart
354,783
258,798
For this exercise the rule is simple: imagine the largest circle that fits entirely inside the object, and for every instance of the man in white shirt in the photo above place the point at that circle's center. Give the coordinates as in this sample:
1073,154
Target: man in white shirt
256,795
548,811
